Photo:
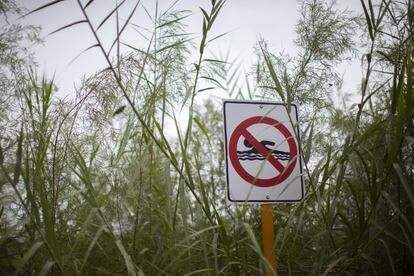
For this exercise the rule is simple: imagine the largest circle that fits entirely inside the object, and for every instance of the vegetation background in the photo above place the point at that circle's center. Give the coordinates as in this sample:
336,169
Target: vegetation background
93,185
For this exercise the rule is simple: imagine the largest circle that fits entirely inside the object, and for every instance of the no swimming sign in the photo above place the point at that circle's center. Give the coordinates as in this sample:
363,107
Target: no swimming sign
262,152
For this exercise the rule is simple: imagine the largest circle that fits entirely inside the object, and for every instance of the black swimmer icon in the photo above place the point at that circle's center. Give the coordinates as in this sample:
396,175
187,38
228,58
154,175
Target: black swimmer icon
253,154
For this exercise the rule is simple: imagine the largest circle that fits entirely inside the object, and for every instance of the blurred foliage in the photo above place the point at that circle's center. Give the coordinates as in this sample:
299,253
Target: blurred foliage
111,182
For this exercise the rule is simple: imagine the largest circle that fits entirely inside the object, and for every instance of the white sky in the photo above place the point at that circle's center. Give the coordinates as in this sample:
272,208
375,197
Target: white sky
246,20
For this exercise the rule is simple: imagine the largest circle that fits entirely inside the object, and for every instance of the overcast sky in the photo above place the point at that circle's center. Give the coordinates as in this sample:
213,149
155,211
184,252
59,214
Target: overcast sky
246,20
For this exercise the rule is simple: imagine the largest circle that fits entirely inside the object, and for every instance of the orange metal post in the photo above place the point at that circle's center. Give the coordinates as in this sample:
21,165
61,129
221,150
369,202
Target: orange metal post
268,239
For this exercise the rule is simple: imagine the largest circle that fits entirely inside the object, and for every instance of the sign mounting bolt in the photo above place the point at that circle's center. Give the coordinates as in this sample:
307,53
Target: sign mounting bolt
261,106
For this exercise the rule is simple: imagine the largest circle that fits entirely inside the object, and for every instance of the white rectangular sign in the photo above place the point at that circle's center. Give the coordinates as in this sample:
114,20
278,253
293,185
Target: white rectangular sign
262,153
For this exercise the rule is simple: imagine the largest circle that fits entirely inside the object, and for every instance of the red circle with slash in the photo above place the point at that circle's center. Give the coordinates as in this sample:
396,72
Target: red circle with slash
284,171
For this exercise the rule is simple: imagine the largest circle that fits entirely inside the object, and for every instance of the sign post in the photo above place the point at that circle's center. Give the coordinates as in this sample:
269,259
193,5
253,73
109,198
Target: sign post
263,164
268,239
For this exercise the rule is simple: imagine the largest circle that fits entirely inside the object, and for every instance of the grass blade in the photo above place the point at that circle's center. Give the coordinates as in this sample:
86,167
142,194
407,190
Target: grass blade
68,26
29,254
44,6
109,15
203,130
368,20
18,164
92,245
128,261
48,265
403,180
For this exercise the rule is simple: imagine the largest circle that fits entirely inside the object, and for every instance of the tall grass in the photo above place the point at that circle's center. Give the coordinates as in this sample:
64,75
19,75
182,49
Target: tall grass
96,186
